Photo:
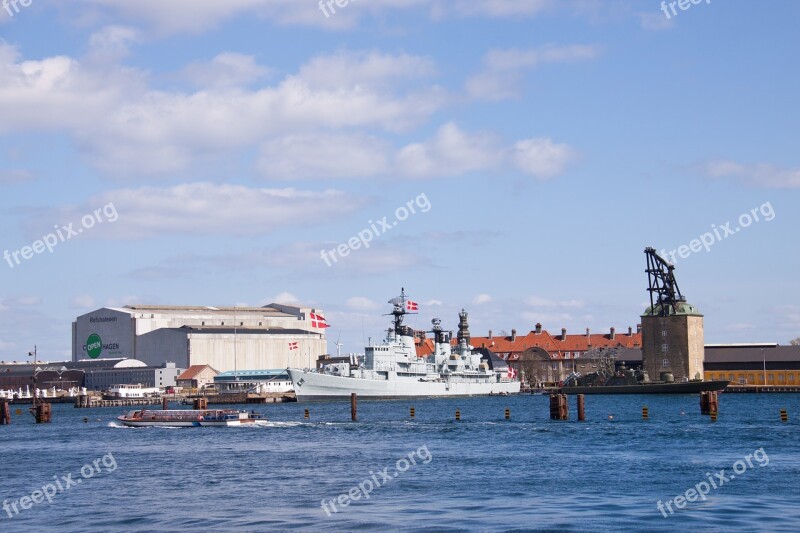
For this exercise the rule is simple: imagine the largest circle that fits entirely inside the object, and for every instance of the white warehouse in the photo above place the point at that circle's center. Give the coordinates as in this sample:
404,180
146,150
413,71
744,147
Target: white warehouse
227,338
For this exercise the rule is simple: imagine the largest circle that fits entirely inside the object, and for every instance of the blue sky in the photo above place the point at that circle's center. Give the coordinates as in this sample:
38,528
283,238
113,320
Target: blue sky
549,143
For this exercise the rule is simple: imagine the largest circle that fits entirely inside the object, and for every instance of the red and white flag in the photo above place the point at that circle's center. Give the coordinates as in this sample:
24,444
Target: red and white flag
511,373
318,321
412,306
293,346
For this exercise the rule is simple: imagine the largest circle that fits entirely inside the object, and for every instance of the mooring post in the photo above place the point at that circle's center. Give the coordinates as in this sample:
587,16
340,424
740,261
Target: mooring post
42,413
5,414
581,411
164,403
353,406
559,408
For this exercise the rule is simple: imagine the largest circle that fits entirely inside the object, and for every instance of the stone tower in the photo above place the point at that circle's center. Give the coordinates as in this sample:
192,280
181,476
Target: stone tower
672,329
673,342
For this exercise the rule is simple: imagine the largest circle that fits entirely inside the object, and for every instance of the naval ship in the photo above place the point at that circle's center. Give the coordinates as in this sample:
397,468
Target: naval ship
392,369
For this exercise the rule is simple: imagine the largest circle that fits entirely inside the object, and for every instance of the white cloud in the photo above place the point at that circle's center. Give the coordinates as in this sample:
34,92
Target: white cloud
364,69
286,298
502,8
83,301
655,21
324,156
537,301
482,298
201,209
225,70
502,69
195,16
432,303
112,43
761,175
125,127
359,303
450,152
542,157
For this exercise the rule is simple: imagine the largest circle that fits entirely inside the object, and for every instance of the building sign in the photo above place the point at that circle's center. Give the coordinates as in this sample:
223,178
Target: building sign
101,319
94,346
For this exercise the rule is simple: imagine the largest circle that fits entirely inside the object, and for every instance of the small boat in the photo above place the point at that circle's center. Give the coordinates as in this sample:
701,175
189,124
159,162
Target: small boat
189,418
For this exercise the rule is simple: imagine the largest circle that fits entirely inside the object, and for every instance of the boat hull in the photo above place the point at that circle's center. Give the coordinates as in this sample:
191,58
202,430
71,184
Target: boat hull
181,418
182,424
689,387
312,386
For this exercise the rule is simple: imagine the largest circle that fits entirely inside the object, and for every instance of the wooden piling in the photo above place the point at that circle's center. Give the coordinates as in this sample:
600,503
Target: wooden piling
200,404
784,415
458,414
306,414
709,402
645,413
5,414
508,413
42,413
412,412
164,404
559,408
353,406
581,408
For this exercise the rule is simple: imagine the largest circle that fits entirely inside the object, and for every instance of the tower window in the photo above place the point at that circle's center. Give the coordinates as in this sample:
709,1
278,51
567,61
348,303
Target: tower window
665,363
664,348
663,333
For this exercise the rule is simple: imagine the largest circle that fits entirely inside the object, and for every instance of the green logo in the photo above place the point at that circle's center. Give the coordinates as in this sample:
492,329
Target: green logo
94,346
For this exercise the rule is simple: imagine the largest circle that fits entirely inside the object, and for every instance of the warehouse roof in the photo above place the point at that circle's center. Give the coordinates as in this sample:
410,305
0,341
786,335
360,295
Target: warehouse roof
749,353
244,330
202,308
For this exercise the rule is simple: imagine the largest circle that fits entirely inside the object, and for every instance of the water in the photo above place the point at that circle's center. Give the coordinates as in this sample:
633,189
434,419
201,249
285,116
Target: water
483,473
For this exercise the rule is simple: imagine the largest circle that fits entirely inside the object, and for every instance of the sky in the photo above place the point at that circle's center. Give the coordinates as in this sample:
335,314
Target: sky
509,157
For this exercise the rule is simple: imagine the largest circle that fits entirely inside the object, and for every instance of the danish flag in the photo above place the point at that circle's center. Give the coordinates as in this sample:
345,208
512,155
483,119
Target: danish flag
318,321
412,306
511,373
293,346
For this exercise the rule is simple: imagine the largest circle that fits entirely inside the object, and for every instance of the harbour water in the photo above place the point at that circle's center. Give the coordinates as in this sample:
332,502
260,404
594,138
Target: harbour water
428,473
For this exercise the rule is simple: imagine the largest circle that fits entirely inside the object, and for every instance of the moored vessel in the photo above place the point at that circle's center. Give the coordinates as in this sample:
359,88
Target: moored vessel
393,369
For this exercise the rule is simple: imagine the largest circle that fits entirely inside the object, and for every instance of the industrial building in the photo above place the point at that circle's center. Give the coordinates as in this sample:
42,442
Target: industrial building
226,338
94,374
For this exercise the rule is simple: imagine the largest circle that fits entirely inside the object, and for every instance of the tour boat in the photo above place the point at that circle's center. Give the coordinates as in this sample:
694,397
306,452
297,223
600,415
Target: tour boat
189,418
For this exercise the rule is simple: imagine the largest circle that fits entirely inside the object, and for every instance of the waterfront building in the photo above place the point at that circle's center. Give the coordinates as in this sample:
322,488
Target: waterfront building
253,381
226,338
95,375
542,358
753,364
196,377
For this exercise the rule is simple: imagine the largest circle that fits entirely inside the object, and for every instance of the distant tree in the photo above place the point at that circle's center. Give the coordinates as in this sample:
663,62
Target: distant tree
795,342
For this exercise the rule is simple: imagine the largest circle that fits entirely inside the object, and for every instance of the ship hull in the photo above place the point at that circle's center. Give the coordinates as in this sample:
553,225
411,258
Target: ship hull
689,387
312,386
